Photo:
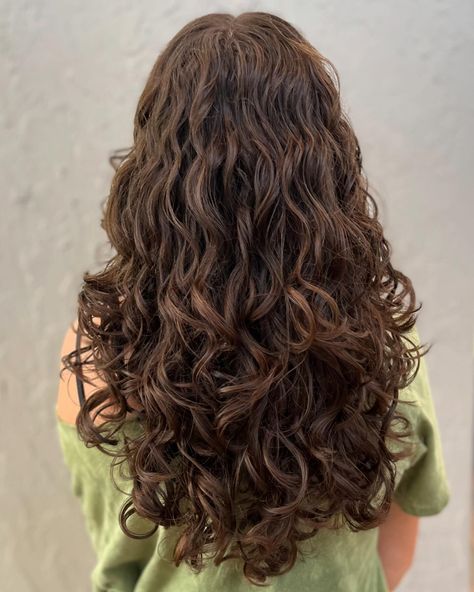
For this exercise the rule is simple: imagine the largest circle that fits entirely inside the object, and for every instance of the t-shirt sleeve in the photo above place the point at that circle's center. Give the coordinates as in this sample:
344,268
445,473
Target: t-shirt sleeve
119,558
422,487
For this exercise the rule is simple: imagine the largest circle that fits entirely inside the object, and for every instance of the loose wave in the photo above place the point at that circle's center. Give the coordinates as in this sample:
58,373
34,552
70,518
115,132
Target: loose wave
250,310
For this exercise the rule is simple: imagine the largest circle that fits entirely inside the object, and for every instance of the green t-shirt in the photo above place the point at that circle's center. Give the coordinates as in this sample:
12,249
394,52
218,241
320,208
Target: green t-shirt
343,561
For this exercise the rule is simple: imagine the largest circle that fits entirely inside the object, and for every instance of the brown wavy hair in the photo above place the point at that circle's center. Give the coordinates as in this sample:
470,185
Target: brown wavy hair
250,310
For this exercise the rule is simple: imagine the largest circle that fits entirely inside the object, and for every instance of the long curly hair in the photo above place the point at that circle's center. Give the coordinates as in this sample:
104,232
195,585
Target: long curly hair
250,310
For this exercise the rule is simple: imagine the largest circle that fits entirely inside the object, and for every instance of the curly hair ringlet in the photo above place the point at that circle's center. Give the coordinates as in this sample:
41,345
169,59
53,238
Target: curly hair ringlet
250,309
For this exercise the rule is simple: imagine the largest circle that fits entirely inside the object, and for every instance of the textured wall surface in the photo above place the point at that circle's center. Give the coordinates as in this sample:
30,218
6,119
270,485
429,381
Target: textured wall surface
71,73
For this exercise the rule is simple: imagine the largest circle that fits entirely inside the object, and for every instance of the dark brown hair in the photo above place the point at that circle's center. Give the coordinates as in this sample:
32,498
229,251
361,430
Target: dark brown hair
251,309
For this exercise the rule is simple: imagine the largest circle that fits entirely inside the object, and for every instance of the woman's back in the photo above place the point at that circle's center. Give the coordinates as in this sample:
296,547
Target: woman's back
335,560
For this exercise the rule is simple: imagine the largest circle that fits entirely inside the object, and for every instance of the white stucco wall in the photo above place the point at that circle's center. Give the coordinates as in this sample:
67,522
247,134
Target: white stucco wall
71,73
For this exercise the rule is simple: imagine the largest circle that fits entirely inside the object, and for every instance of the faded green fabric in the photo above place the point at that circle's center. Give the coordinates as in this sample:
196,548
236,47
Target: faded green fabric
334,561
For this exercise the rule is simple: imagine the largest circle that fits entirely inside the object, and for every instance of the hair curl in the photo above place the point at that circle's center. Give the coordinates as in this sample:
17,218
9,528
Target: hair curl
251,309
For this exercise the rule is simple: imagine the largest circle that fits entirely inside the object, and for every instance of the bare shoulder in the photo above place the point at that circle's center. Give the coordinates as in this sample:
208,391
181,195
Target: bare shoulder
67,402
